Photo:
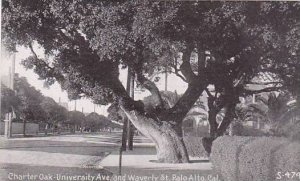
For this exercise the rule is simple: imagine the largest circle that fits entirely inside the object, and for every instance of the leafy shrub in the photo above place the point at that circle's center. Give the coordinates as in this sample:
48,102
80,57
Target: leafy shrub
237,128
194,146
249,131
291,130
254,158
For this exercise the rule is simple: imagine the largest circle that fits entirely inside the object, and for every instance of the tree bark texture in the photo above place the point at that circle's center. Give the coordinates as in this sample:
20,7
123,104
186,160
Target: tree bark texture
216,129
130,135
168,138
212,118
130,128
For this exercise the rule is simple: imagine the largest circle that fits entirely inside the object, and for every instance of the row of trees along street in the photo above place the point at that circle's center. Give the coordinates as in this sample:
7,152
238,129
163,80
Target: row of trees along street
222,44
31,106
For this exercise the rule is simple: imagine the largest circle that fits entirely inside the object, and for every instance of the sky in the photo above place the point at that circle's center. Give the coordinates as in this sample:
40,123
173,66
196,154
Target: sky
55,91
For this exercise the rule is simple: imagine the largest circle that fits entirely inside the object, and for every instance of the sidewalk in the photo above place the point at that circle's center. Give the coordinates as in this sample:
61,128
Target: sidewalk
37,150
38,158
141,163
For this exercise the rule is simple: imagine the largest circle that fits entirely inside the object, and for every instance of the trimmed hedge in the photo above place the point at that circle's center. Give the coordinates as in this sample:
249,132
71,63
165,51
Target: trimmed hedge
291,130
255,158
243,130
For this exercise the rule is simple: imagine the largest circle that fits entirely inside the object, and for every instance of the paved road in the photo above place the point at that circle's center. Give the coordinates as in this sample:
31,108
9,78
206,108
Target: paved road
67,157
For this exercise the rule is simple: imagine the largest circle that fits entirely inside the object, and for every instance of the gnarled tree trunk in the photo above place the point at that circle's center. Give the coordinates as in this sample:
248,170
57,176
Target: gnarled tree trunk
212,117
167,137
216,129
170,146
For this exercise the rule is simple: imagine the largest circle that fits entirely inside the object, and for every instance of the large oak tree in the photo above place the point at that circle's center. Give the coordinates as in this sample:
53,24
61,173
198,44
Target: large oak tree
219,43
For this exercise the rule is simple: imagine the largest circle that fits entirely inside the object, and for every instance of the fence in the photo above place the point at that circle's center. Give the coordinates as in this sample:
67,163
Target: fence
17,128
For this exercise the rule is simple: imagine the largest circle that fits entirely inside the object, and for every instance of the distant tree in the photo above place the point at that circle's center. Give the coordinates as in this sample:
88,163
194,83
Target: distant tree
75,119
96,122
272,109
8,100
54,112
30,109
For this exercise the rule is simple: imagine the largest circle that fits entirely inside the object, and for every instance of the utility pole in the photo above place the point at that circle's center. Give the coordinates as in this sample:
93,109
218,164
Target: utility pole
82,122
130,129
127,133
125,123
9,116
13,70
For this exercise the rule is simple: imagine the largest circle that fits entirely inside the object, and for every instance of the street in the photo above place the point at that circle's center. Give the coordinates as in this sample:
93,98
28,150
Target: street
55,157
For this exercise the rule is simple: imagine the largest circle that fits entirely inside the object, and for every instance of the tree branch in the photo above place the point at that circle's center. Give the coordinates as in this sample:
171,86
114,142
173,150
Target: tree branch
196,86
179,75
239,81
185,67
229,116
32,51
50,70
266,83
208,93
124,99
176,70
149,85
186,101
268,89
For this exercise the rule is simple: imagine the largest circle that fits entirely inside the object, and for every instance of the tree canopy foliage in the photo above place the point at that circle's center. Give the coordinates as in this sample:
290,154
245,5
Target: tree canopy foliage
95,122
30,104
88,40
8,100
75,118
29,108
225,44
54,112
